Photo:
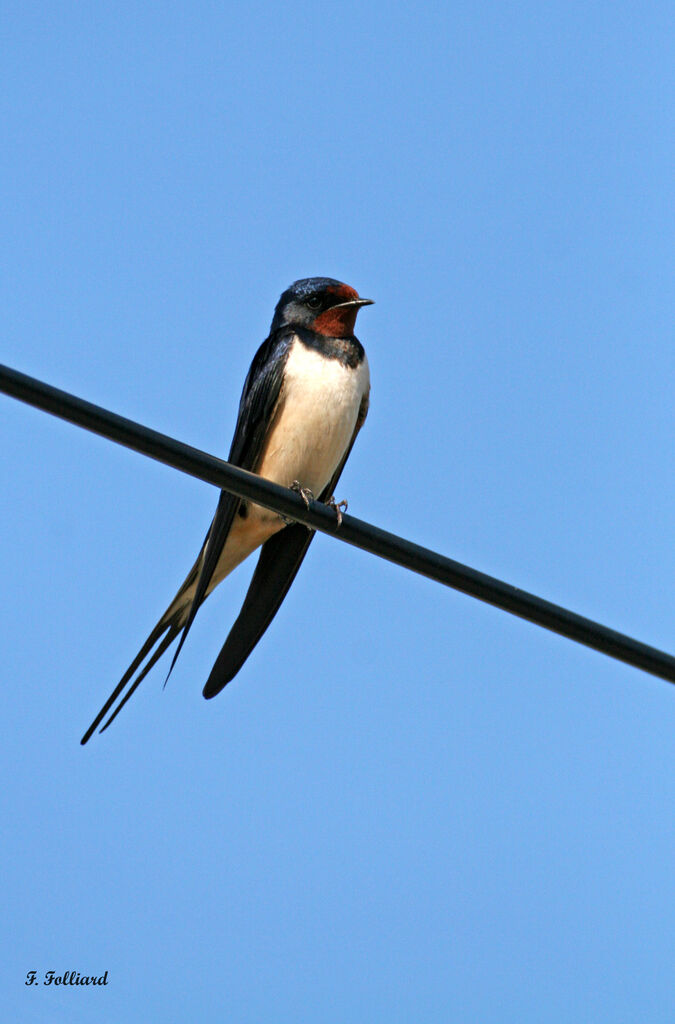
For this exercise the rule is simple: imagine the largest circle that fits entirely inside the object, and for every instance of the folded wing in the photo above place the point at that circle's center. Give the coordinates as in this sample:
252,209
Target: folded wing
259,398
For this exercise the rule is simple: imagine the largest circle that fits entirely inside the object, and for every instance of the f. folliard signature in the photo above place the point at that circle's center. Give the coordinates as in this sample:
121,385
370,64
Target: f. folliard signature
69,978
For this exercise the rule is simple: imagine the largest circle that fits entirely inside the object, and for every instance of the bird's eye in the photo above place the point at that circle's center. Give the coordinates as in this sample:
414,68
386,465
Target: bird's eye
314,302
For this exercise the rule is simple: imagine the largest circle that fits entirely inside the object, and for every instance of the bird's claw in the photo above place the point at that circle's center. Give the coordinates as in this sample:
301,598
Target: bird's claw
338,506
304,492
306,495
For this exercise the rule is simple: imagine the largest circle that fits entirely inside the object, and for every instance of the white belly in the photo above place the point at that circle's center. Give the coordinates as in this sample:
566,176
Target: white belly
315,420
312,429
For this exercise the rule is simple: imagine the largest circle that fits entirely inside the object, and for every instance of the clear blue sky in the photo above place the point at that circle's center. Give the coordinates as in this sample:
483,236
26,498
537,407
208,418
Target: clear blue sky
408,806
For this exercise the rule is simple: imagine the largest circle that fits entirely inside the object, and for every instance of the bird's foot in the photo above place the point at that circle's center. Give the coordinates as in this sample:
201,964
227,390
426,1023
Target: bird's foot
304,492
338,506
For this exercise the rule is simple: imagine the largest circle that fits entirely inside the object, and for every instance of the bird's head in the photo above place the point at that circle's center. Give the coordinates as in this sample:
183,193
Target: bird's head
319,304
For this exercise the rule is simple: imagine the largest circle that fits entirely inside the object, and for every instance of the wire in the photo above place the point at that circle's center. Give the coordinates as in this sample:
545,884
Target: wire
320,517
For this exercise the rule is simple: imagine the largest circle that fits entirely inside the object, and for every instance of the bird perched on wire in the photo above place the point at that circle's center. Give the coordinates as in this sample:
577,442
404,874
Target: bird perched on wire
305,399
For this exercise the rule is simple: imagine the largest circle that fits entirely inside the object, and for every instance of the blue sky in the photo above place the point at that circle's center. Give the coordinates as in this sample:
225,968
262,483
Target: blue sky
408,805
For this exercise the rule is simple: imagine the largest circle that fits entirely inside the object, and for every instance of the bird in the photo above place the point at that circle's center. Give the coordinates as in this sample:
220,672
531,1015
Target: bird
304,400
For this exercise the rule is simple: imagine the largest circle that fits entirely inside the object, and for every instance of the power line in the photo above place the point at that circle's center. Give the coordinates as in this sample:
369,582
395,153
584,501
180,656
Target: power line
320,517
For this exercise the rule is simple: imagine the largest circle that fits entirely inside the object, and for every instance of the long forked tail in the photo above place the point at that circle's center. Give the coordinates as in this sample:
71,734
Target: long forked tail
179,615
167,629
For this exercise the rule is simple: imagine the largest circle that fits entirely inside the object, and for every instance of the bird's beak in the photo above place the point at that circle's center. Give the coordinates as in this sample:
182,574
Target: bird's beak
354,302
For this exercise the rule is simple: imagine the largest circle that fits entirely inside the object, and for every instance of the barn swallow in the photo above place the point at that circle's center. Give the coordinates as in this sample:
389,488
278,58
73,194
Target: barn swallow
305,399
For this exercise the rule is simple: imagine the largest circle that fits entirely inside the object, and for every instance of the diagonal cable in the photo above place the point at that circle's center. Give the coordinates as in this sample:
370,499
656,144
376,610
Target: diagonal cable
320,517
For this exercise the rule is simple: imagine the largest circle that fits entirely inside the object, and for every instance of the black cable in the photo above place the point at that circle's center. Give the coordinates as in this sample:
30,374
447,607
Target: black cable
320,517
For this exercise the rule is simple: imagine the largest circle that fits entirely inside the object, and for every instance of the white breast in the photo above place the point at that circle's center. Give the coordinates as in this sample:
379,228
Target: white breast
313,426
316,417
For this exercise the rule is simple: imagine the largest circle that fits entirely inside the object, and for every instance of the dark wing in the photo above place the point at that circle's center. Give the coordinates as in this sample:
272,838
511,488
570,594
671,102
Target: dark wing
256,408
280,558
